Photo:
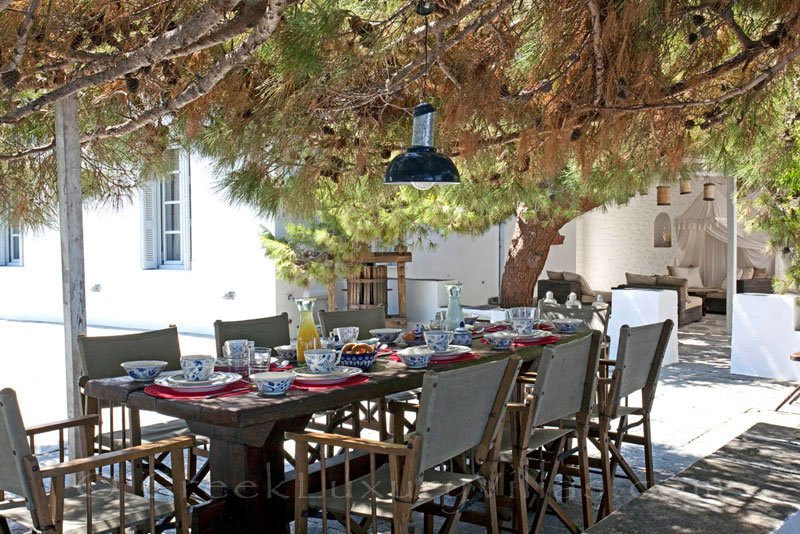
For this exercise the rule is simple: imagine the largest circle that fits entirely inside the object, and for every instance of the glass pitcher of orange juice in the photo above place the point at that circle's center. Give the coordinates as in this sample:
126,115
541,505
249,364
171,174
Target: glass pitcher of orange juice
307,335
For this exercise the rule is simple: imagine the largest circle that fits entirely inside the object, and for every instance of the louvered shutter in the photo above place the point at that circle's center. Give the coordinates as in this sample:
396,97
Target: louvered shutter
150,227
3,245
186,209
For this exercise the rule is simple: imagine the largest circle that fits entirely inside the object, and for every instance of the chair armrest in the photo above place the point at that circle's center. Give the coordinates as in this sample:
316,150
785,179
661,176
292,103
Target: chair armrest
526,380
81,465
84,420
516,406
604,361
337,440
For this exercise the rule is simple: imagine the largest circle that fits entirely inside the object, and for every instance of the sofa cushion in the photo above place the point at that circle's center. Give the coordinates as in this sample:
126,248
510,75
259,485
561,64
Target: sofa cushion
555,275
585,288
693,302
692,275
759,274
641,279
747,273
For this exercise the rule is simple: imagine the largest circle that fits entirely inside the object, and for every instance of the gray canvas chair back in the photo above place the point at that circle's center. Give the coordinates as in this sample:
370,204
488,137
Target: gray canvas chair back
366,320
101,356
639,356
266,332
566,380
455,408
594,319
14,448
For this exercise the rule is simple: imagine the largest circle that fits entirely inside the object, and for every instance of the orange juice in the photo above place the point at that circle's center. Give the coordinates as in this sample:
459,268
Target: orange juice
307,335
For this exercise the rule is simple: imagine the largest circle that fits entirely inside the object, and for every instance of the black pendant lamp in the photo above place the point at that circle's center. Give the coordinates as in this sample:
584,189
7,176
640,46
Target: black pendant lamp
421,165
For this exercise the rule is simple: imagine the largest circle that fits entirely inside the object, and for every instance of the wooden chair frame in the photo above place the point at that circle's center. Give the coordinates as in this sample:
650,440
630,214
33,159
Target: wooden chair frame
47,509
406,465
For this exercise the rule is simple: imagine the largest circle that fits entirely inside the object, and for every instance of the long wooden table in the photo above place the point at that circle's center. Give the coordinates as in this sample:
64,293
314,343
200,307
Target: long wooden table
247,431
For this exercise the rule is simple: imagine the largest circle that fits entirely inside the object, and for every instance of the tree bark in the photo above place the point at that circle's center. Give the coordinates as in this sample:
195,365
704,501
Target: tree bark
527,255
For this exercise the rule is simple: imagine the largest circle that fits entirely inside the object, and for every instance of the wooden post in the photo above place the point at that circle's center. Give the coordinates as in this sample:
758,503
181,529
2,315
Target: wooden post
70,195
401,289
732,249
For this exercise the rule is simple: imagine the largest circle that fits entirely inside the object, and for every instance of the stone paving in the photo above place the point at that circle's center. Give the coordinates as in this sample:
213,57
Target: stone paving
699,405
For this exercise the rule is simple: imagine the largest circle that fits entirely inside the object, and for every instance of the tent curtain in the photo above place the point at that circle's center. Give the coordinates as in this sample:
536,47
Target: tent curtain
702,240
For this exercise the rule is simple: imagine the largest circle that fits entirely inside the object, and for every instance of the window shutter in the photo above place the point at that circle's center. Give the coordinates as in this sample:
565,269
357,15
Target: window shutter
150,232
186,212
3,245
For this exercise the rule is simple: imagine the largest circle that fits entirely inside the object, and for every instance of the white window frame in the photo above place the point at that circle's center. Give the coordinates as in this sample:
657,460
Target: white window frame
8,235
153,231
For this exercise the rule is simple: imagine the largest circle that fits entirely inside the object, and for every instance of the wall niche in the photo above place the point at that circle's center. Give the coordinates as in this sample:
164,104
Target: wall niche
662,231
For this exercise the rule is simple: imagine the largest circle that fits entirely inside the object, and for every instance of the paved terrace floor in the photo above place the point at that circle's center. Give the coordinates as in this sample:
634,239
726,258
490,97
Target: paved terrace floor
699,407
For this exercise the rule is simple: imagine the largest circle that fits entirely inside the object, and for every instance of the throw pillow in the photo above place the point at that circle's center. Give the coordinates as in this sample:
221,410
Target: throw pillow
747,273
640,279
691,274
585,289
555,275
724,285
739,272
759,273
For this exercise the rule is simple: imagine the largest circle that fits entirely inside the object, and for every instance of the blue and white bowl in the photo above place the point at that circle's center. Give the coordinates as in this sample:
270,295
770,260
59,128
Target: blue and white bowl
462,336
415,359
386,335
274,382
523,326
567,326
197,367
322,361
345,334
286,352
361,361
500,340
470,318
144,370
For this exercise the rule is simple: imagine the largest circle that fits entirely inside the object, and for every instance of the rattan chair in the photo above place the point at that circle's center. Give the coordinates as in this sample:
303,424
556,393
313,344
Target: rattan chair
460,410
266,332
96,504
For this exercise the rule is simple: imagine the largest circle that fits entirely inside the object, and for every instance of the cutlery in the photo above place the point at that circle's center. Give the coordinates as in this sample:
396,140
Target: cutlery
221,393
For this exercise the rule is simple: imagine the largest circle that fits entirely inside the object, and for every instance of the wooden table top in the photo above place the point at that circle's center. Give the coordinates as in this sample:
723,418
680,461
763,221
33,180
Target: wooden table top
252,409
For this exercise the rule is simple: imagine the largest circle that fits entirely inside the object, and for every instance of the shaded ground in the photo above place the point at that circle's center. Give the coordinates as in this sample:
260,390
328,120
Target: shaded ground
699,405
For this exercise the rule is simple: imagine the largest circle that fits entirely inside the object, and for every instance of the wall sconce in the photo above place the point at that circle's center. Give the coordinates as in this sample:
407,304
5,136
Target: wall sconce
709,191
663,195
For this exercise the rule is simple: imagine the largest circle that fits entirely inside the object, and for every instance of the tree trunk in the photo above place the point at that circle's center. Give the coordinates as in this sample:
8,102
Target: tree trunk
527,254
332,296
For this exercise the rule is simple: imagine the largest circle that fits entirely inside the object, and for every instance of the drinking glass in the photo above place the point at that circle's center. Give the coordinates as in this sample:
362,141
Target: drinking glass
437,324
260,359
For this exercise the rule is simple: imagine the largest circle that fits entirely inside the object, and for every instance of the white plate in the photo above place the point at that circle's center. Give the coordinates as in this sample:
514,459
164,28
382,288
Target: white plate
340,374
453,351
215,383
536,334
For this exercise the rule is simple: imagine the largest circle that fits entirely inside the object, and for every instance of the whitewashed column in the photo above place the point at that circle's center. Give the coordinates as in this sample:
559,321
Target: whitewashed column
68,155
730,285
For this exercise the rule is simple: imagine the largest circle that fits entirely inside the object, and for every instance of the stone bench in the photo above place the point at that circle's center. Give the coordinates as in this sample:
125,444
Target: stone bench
748,486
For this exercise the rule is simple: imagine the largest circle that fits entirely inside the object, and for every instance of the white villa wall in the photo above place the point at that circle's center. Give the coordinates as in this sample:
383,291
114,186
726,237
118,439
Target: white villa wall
619,239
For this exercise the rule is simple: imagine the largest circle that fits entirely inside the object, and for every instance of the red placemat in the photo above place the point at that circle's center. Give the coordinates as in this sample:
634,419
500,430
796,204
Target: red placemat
462,358
168,393
352,381
541,341
498,328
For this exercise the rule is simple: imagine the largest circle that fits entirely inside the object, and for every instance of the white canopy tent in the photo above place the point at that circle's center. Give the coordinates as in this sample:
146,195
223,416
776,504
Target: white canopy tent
702,240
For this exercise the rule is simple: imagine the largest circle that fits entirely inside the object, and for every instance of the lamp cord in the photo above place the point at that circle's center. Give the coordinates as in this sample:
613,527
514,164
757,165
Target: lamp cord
425,72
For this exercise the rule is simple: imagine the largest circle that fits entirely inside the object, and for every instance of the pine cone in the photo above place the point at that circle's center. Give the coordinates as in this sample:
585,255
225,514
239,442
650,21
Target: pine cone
10,79
131,83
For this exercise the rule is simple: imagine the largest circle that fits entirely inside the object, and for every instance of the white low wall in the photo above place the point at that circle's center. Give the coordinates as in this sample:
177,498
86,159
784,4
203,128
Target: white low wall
638,307
764,335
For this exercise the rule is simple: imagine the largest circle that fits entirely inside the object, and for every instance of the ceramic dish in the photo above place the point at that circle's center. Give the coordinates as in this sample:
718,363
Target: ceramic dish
453,351
360,361
286,352
340,374
567,326
386,335
144,370
215,382
501,340
415,357
533,336
273,382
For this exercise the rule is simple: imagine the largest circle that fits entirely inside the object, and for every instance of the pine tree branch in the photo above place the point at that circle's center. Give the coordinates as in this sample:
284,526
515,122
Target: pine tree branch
4,5
149,54
22,37
597,47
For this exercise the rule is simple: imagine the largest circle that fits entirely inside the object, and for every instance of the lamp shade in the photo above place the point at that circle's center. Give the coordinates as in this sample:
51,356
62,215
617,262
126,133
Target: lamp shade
663,195
686,186
709,191
421,165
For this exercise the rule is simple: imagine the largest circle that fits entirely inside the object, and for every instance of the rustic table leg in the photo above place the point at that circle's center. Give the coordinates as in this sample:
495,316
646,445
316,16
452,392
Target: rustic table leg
247,484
